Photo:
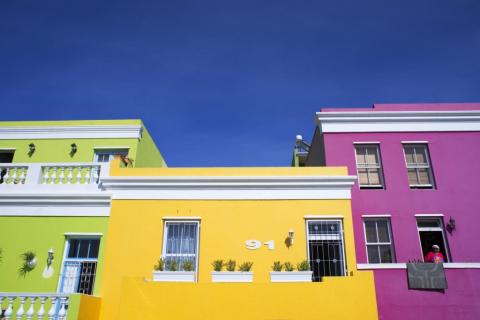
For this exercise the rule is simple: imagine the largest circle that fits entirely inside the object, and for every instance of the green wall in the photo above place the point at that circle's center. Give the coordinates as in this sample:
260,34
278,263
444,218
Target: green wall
148,154
144,151
39,234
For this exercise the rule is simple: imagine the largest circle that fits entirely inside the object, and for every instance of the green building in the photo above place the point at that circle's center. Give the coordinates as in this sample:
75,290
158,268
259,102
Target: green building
53,212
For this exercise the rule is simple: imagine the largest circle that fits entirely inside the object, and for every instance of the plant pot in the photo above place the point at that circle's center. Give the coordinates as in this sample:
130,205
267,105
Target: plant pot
291,276
32,263
232,276
174,276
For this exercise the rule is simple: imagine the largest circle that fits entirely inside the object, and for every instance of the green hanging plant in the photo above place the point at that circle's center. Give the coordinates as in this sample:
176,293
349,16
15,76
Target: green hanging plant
29,263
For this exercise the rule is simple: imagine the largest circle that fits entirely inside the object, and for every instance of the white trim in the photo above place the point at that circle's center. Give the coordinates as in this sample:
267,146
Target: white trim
429,215
462,265
366,142
181,218
319,216
228,187
8,149
367,266
111,147
398,121
448,265
55,204
83,234
376,215
131,131
415,142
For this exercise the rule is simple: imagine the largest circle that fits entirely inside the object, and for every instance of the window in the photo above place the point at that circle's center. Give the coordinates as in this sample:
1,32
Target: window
378,237
80,265
107,155
369,167
326,253
180,244
418,166
430,231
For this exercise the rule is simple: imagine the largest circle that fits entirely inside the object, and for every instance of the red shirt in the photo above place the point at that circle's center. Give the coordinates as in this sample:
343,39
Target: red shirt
434,257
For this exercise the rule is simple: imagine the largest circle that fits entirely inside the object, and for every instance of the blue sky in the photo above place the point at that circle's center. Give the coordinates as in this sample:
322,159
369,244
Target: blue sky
230,83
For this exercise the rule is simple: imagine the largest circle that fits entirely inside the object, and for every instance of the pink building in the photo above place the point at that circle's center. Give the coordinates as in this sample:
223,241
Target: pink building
418,168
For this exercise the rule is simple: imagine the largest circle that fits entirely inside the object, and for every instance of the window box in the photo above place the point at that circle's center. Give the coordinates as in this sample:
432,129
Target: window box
174,276
232,276
291,276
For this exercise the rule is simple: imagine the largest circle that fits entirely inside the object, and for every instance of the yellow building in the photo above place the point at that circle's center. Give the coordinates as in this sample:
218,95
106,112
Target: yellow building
191,217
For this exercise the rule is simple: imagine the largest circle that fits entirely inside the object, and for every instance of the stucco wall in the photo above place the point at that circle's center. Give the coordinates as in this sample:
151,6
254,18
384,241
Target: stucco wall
454,157
135,243
39,234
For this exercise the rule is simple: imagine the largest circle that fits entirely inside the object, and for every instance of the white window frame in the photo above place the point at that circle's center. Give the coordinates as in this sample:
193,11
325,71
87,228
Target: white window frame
366,166
392,247
110,151
342,238
428,166
440,229
165,233
78,236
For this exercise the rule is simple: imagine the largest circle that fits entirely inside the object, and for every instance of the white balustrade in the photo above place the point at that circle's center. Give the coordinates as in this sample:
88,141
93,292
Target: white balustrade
17,303
13,173
70,174
52,173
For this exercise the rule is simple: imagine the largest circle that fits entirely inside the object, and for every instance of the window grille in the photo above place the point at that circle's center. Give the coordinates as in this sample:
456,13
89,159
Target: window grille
369,167
326,252
378,238
418,166
80,266
180,244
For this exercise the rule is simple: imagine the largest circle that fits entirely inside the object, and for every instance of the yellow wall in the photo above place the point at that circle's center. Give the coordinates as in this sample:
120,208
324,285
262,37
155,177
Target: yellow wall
135,244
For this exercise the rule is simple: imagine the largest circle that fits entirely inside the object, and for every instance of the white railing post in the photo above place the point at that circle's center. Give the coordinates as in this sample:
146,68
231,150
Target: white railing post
8,313
34,173
21,310
53,308
41,311
31,310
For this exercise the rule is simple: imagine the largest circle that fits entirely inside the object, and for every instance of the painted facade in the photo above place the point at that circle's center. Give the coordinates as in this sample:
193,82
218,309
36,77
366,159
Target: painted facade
450,133
230,206
50,198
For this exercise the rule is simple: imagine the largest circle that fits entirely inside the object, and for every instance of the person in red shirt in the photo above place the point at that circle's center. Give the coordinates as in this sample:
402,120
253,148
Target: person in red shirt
435,256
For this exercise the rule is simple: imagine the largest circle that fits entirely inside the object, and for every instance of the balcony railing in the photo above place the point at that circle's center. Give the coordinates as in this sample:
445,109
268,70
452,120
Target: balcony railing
51,173
33,306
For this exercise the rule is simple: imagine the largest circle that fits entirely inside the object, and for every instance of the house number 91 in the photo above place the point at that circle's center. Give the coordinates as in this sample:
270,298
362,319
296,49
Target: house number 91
256,244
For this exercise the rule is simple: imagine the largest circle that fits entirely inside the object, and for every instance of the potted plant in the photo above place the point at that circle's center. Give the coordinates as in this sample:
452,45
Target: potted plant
29,262
171,271
242,275
302,275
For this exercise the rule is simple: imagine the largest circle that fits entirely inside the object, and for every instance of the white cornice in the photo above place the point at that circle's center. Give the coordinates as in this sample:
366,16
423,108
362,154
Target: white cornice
447,265
398,121
235,188
55,204
72,132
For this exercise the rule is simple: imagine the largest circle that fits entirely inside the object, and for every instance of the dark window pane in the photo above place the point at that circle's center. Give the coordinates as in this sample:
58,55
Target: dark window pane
385,253
72,252
373,254
370,230
94,244
83,253
383,235
428,223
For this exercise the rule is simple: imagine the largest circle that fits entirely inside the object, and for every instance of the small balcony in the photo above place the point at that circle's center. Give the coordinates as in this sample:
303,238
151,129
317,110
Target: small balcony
51,306
80,173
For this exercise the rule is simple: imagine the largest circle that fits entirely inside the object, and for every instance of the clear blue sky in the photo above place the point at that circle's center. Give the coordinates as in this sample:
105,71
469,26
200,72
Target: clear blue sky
230,83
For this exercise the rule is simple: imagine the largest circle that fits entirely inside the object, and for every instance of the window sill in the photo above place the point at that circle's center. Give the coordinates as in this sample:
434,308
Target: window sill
448,265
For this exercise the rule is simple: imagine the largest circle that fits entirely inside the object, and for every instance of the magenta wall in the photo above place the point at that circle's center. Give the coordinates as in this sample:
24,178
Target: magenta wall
455,158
